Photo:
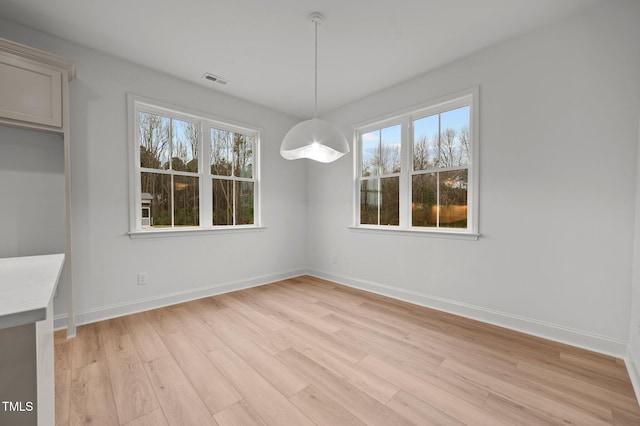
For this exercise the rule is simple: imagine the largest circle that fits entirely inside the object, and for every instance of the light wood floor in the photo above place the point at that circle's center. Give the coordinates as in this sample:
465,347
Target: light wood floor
305,351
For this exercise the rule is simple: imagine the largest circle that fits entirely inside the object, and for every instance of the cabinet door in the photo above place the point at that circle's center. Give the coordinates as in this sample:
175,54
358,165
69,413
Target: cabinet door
30,93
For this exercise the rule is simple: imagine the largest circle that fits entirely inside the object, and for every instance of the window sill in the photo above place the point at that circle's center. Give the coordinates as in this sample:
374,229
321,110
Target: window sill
392,230
183,232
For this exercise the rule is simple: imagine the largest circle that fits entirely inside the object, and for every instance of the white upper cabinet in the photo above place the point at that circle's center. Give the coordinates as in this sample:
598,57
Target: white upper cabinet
32,87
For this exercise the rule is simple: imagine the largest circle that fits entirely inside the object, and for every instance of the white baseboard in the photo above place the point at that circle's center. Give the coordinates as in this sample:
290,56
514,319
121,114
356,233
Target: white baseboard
573,337
127,308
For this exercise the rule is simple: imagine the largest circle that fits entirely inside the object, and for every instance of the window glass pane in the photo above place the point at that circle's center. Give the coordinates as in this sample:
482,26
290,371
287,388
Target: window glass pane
156,193
390,201
454,137
153,133
184,146
424,200
425,143
186,201
389,151
244,203
243,155
370,148
369,194
222,202
453,199
221,152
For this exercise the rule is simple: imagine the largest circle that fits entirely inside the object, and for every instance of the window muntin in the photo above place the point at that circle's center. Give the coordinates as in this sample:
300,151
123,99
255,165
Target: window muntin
440,178
169,170
429,181
232,159
175,188
380,170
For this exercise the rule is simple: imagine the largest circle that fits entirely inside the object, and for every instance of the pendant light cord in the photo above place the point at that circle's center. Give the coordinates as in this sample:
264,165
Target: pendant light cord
315,111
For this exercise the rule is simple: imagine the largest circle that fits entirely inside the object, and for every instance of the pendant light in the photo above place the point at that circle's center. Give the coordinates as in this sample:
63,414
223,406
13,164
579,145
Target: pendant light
315,139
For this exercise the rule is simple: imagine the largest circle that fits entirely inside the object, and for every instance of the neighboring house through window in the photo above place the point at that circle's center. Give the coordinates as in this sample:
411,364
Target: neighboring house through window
191,172
418,170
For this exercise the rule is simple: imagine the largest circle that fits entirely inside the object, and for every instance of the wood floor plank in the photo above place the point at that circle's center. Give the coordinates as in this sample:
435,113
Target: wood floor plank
596,364
262,335
624,418
62,396
451,347
63,353
328,294
449,403
179,401
557,411
399,345
154,418
208,310
515,413
360,378
587,394
133,394
87,346
296,299
112,328
308,351
419,412
323,410
239,414
91,397
266,400
240,302
426,369
292,314
212,387
60,336
341,315
164,320
148,343
366,408
278,375
197,330
331,341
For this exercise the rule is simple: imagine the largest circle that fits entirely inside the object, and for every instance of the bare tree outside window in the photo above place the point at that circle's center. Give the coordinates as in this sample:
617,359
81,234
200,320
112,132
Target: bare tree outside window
191,171
381,166
441,141
232,158
169,145
418,169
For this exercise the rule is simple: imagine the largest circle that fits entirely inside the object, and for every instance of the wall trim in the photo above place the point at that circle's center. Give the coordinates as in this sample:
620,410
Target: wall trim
127,308
580,338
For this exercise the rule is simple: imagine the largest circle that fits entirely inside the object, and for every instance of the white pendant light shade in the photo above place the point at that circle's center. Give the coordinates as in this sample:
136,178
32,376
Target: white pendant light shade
315,139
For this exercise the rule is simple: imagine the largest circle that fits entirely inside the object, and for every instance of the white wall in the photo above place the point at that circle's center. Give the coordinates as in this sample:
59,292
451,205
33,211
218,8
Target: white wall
559,134
633,358
106,260
32,205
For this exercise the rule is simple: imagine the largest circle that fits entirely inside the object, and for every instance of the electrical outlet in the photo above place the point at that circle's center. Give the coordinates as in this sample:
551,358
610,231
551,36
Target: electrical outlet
143,278
334,259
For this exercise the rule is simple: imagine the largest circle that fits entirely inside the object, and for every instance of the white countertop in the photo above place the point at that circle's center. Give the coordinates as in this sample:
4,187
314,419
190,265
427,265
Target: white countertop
27,285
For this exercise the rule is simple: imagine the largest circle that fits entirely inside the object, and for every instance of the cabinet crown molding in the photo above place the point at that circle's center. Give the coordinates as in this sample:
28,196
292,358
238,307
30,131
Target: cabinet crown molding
40,56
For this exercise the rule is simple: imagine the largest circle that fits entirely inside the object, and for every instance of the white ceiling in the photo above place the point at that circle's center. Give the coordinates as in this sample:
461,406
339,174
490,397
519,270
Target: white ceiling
265,47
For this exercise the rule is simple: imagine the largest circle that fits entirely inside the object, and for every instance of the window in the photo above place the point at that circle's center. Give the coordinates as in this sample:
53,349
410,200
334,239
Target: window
191,172
418,170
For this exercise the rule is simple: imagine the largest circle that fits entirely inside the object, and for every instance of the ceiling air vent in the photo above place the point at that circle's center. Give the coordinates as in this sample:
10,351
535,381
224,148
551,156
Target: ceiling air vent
214,78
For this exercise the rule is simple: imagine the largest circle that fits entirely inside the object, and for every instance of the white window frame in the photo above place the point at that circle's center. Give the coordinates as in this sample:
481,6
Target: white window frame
406,118
137,104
